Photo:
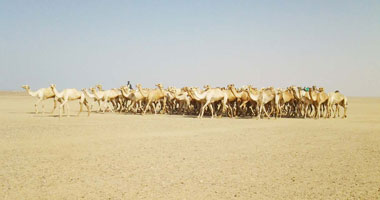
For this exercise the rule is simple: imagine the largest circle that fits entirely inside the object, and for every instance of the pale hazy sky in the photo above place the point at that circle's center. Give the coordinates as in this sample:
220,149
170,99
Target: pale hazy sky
78,44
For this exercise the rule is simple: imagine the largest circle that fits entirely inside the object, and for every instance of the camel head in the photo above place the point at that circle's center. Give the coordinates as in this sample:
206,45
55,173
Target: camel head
159,85
26,87
126,89
230,86
321,89
206,87
278,91
52,86
93,90
99,86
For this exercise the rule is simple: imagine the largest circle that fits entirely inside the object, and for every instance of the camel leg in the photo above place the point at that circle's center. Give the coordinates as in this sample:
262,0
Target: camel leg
105,105
36,106
338,109
80,108
200,110
62,107
147,106
203,109
68,110
318,111
259,113
111,108
345,112
305,110
329,111
154,108
43,107
265,111
55,106
164,106
211,110
86,103
99,106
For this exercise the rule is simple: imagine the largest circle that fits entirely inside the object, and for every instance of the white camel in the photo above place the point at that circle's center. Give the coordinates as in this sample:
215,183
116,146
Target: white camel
41,95
70,95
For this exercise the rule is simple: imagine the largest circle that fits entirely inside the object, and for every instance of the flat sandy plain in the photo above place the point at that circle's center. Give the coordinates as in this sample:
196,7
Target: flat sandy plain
122,156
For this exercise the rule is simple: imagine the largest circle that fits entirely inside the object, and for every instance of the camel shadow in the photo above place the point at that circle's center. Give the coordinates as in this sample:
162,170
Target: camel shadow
57,116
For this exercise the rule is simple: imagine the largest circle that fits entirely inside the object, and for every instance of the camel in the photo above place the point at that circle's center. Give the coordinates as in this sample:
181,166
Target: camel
183,99
278,99
304,100
265,102
254,95
209,96
95,99
70,95
153,96
319,97
266,96
336,98
134,96
231,100
262,97
113,95
104,96
282,100
41,95
242,96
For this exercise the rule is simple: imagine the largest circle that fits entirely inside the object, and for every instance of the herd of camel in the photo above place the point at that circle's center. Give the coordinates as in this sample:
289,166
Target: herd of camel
292,102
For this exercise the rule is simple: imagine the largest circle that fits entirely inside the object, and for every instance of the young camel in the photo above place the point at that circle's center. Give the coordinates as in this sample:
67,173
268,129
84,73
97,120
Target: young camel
70,95
41,95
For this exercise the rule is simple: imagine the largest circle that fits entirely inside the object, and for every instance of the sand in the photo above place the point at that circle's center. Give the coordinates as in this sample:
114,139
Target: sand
122,156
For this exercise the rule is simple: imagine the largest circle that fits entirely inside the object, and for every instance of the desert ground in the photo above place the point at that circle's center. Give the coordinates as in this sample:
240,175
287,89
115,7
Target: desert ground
124,156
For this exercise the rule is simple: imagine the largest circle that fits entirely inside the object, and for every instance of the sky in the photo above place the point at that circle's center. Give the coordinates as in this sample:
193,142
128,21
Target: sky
77,44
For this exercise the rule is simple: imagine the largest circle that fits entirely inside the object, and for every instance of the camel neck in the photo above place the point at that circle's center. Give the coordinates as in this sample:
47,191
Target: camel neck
88,94
31,93
142,92
96,94
56,93
252,96
125,94
198,96
235,93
